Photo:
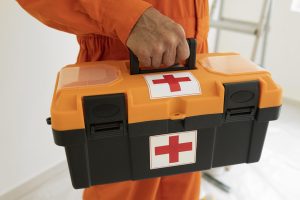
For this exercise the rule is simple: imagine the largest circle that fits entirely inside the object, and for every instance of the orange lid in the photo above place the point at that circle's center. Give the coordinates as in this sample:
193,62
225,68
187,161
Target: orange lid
111,77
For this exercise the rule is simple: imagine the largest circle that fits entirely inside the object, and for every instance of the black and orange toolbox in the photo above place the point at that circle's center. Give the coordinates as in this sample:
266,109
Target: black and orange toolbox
119,122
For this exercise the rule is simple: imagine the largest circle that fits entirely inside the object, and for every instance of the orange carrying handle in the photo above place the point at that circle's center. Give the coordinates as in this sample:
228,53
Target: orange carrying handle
189,64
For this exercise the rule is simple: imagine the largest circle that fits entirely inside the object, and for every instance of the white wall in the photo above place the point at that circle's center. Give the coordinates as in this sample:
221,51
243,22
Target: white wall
282,57
30,56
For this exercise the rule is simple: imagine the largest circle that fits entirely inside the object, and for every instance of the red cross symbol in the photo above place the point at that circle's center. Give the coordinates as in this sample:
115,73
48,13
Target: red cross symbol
174,83
173,148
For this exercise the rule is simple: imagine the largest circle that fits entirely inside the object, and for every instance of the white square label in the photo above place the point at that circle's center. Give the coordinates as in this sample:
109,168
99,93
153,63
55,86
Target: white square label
173,149
172,85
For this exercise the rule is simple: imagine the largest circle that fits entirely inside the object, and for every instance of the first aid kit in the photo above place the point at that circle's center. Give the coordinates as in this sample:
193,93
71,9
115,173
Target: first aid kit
120,122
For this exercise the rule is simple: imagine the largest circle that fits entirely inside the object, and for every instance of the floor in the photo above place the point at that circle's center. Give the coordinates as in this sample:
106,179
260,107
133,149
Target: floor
275,177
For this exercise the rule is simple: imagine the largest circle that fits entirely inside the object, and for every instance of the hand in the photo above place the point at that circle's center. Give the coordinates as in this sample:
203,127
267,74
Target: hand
156,40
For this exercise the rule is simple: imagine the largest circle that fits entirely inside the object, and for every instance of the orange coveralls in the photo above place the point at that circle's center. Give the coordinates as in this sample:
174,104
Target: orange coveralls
102,28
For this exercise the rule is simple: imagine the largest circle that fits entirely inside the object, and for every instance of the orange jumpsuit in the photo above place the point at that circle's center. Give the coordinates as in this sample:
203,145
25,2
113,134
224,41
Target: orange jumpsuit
102,28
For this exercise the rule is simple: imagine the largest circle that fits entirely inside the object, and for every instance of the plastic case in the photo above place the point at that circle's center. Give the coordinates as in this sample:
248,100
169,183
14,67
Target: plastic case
116,126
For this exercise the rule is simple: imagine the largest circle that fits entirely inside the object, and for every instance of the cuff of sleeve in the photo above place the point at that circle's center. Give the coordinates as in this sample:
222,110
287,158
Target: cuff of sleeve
128,17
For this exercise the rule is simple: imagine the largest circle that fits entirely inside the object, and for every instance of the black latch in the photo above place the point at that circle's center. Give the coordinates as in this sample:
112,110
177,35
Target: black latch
105,115
48,120
241,101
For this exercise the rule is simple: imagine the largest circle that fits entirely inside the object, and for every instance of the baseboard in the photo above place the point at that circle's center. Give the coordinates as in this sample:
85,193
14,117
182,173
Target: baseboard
33,183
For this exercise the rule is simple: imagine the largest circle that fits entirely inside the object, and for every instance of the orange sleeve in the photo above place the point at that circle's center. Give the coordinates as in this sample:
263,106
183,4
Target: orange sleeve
112,18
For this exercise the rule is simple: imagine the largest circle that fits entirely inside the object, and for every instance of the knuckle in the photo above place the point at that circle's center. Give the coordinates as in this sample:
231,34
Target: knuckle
184,55
143,53
171,41
145,62
179,31
178,27
158,49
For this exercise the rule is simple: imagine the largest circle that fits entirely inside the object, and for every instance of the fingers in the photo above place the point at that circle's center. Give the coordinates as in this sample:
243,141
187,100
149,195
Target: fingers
167,54
170,51
146,62
160,54
183,51
143,56
157,55
171,54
